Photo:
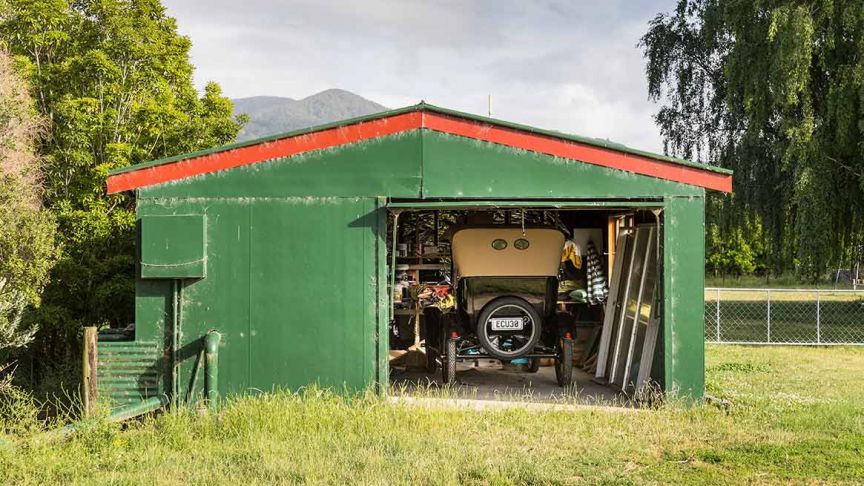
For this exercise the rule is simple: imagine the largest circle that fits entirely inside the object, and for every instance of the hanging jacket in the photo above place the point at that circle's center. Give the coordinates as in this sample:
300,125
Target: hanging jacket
571,253
596,279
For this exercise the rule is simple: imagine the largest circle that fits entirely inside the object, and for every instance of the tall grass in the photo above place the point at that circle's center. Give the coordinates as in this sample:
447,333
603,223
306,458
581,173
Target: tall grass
796,415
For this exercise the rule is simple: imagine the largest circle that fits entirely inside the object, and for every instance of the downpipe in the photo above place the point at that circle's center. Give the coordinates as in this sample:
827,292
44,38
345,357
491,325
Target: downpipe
121,414
211,369
131,411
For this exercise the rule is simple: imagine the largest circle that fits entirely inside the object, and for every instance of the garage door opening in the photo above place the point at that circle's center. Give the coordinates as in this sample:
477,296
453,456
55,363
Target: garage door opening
527,300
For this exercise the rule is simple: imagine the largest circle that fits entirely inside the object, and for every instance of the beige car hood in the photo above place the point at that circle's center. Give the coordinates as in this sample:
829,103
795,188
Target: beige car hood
474,255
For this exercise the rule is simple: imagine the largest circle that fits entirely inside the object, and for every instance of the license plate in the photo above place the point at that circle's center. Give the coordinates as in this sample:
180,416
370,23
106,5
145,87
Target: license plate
507,324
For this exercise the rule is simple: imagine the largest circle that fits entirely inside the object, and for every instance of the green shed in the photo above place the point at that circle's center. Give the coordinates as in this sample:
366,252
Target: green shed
281,244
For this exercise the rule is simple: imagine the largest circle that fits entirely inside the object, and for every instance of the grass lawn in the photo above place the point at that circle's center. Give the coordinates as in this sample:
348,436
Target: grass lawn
797,416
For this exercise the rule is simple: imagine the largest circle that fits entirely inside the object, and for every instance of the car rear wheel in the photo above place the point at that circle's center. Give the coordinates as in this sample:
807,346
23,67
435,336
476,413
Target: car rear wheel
448,364
564,362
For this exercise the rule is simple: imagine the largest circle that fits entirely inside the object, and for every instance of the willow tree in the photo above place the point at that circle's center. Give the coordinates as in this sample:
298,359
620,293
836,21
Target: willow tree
773,90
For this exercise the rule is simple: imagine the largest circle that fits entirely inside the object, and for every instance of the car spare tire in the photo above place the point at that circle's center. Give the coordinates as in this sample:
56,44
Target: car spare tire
508,328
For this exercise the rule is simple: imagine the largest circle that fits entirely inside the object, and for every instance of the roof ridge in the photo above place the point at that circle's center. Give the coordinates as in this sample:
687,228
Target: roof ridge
588,150
421,106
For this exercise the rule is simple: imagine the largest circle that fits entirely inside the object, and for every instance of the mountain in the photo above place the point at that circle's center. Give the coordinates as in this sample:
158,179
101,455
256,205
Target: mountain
269,115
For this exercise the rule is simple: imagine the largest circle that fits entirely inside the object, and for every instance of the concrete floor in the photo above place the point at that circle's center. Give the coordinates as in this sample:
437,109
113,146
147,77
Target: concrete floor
490,380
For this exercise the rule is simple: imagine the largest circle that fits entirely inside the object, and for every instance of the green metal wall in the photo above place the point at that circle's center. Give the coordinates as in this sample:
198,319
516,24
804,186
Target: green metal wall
422,164
295,248
292,285
385,166
684,293
458,167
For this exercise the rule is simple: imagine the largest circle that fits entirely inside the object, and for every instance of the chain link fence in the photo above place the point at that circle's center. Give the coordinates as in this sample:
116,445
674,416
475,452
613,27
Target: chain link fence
784,316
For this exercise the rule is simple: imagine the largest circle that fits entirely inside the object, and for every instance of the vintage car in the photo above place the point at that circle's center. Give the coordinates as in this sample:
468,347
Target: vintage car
506,285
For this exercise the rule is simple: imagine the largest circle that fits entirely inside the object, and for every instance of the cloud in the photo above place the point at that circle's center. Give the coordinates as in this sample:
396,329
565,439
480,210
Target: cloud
564,65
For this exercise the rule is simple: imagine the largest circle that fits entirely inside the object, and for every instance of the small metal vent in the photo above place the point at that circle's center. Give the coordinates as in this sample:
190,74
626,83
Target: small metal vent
127,372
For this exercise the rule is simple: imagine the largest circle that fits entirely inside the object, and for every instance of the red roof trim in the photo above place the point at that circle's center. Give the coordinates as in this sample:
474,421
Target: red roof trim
576,151
391,125
251,154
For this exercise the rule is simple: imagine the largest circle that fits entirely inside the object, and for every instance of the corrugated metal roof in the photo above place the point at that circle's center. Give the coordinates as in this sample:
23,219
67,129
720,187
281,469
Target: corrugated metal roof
508,133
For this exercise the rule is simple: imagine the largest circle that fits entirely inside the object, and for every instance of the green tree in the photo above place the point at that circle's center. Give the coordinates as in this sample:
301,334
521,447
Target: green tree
27,248
114,80
755,238
731,256
772,90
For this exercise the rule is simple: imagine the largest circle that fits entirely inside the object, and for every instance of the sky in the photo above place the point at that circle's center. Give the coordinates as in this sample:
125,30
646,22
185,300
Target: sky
571,66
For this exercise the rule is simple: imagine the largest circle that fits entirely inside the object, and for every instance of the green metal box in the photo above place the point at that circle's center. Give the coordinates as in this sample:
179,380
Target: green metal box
173,246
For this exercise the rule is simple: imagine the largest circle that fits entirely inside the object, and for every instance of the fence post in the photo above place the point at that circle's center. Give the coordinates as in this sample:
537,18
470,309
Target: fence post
818,319
718,314
89,360
768,298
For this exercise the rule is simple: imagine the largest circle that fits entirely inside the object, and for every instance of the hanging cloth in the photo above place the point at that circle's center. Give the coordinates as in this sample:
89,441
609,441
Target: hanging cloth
596,279
571,275
571,253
